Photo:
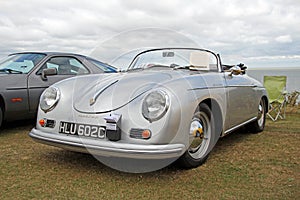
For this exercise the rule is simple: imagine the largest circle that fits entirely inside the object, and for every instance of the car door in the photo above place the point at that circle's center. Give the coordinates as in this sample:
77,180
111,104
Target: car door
13,89
241,98
66,66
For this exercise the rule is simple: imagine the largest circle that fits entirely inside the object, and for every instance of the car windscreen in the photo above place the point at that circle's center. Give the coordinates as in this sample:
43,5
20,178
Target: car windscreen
20,63
104,67
195,59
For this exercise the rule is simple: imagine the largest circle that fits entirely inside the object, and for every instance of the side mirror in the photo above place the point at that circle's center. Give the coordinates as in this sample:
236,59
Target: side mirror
48,72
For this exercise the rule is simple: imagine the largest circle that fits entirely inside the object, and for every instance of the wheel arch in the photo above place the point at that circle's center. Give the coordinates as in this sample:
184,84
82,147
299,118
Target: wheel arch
217,113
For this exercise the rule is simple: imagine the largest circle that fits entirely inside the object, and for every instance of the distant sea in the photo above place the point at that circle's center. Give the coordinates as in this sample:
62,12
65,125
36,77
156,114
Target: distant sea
292,74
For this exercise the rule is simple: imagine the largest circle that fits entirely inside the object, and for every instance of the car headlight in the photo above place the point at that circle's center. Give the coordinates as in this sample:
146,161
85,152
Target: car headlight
155,105
49,99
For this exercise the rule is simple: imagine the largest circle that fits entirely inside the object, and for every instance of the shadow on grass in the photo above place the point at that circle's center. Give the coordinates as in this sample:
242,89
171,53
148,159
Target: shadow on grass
73,159
19,125
87,162
228,143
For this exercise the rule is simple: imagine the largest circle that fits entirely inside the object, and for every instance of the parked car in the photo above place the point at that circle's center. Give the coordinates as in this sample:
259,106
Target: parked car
171,103
24,76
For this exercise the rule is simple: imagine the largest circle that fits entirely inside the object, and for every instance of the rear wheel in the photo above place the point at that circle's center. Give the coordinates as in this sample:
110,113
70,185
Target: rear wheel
202,128
259,124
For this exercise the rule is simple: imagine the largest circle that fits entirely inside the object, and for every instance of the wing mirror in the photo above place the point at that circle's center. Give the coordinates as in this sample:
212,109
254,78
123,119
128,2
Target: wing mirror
48,72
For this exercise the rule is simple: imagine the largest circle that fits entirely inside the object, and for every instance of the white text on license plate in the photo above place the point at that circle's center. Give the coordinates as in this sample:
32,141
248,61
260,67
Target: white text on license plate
82,130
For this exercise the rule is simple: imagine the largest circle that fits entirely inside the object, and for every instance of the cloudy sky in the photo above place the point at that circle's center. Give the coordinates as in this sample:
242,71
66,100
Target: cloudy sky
260,33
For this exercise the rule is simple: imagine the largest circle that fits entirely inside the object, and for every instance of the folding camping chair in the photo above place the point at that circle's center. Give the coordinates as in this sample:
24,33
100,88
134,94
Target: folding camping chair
276,86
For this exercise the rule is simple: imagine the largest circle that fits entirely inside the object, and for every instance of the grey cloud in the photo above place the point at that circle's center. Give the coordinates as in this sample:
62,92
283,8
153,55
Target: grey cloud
237,29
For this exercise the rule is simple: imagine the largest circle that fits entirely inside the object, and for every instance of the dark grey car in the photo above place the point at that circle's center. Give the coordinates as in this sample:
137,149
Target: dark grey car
24,76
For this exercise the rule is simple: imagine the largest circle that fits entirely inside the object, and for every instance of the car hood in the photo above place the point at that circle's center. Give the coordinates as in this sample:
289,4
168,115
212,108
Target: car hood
109,93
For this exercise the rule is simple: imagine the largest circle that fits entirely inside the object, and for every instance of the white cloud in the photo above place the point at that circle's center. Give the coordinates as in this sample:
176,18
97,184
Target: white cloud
236,29
284,39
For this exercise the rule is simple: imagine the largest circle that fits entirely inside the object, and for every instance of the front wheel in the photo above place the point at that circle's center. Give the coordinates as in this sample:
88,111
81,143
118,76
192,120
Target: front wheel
202,128
1,116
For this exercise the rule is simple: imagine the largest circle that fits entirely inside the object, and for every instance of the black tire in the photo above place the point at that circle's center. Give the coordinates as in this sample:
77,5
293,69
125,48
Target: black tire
259,124
1,116
196,156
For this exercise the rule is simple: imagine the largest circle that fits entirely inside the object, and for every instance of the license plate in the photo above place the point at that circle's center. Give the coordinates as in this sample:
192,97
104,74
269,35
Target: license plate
82,130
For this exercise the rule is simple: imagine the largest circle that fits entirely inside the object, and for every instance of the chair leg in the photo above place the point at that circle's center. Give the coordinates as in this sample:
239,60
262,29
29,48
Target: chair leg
279,111
269,115
284,109
270,111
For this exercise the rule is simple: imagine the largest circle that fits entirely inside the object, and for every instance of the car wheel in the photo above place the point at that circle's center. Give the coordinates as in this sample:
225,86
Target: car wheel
202,128
1,116
259,124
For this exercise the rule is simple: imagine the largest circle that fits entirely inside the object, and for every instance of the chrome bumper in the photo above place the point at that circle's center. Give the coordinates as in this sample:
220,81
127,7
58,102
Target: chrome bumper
108,148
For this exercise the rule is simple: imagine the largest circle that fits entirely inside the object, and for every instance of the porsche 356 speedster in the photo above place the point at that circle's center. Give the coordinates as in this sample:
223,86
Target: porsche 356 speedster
171,103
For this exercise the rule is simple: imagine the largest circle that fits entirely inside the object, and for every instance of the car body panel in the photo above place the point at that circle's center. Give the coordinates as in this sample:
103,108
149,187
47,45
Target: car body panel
244,108
36,86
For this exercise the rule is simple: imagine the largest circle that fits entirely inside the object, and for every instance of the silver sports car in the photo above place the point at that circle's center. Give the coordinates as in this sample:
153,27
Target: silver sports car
170,104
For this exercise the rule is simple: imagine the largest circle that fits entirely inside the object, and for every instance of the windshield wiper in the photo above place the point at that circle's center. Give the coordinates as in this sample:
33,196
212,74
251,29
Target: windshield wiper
181,67
134,69
157,66
154,66
10,71
190,67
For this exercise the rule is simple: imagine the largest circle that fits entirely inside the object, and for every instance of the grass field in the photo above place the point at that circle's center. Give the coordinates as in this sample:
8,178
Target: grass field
241,166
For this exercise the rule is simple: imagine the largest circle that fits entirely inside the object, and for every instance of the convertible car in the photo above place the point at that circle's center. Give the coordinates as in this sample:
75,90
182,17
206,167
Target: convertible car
170,104
24,76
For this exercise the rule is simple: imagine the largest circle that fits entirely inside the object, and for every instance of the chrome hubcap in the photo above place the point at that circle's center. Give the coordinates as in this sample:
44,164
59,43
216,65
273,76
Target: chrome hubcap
200,134
260,115
196,132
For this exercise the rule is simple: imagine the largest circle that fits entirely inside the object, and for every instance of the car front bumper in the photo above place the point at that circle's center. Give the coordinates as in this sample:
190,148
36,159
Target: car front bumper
108,148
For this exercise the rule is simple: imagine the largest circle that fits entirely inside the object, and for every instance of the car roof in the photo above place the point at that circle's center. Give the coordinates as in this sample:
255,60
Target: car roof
50,53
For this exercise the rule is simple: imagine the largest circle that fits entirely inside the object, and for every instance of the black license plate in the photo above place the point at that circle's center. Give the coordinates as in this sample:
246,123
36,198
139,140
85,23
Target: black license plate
82,130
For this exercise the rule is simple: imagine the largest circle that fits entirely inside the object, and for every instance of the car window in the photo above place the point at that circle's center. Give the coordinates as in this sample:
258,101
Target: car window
104,67
65,66
194,59
20,63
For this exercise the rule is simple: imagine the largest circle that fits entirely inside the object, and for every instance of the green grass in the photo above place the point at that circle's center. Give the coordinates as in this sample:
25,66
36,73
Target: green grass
241,166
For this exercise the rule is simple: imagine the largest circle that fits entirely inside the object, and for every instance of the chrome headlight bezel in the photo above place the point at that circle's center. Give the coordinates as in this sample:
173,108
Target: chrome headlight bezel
49,99
159,101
